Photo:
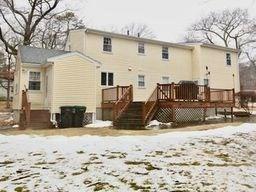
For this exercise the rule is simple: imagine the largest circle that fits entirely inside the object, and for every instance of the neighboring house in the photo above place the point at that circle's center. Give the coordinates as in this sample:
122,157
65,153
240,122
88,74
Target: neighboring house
247,77
98,60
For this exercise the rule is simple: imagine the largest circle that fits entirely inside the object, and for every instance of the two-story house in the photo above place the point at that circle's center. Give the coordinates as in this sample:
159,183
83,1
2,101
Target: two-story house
95,60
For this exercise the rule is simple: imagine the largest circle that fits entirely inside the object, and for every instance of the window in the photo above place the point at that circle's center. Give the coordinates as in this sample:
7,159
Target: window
165,80
34,81
107,79
107,44
141,80
165,53
206,82
141,48
228,58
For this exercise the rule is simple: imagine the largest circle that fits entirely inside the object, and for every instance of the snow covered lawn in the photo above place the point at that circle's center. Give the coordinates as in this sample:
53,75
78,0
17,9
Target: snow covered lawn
214,160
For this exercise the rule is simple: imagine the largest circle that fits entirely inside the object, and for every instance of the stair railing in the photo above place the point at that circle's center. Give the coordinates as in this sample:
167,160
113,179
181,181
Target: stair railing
123,102
26,107
150,105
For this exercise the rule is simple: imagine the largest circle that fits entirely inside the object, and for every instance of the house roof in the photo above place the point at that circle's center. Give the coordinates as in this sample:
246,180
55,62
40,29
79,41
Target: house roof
213,46
134,38
38,56
158,42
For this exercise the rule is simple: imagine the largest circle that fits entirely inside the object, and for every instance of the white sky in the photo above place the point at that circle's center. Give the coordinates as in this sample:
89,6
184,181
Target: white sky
169,19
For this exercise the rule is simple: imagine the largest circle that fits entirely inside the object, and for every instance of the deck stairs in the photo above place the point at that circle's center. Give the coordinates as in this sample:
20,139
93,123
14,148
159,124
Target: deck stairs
131,118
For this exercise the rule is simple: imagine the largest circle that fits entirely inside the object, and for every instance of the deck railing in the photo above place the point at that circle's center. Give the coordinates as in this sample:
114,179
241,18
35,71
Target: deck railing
113,94
26,107
222,95
151,104
183,92
121,97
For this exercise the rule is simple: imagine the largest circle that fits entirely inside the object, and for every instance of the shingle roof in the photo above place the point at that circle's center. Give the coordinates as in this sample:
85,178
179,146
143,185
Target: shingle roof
38,56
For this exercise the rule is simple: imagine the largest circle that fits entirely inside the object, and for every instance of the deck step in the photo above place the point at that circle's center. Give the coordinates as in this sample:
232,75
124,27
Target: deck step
39,119
131,118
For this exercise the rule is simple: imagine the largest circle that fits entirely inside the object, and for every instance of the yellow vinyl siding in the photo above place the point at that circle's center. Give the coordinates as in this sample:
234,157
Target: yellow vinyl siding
221,74
73,83
125,55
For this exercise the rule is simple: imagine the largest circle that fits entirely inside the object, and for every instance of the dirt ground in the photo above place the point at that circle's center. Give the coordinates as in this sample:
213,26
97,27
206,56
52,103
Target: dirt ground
71,132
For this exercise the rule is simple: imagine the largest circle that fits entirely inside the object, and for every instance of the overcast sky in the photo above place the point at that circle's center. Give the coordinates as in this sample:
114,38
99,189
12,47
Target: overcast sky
169,19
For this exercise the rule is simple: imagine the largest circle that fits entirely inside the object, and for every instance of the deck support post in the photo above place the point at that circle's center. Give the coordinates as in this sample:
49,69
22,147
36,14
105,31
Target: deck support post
204,115
216,110
232,115
173,114
225,114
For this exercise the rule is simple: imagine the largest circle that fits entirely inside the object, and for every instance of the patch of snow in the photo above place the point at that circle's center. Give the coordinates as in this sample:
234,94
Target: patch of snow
15,126
213,118
213,160
158,125
100,124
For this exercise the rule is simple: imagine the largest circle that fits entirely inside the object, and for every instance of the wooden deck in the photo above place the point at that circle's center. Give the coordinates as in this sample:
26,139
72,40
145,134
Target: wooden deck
170,97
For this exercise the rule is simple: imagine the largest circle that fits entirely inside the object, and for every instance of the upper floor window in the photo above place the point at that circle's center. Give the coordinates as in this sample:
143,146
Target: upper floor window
141,81
107,79
165,53
34,81
228,59
165,80
107,44
141,48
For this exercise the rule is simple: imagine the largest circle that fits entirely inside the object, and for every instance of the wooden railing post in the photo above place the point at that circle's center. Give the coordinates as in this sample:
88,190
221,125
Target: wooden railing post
234,98
131,92
209,94
157,92
172,91
117,92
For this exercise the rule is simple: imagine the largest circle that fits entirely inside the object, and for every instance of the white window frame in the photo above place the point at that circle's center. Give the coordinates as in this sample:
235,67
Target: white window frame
107,79
228,59
107,45
165,77
165,51
144,81
141,46
34,80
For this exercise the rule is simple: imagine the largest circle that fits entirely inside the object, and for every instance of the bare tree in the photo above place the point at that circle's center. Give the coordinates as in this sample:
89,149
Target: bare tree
22,22
53,33
137,29
229,28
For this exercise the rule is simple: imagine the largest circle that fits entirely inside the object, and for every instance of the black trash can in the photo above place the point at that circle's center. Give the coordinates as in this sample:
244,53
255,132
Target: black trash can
79,116
67,116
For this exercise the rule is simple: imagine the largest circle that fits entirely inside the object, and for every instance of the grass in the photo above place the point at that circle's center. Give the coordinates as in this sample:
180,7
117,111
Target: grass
21,189
224,157
4,178
7,162
137,187
80,152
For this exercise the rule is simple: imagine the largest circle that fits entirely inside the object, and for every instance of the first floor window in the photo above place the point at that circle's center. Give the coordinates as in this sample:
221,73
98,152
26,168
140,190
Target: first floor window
228,58
34,81
107,79
141,80
107,44
141,48
165,53
165,80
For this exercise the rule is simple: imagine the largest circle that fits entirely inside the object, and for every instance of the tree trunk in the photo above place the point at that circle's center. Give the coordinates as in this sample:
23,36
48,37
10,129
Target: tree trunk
8,83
